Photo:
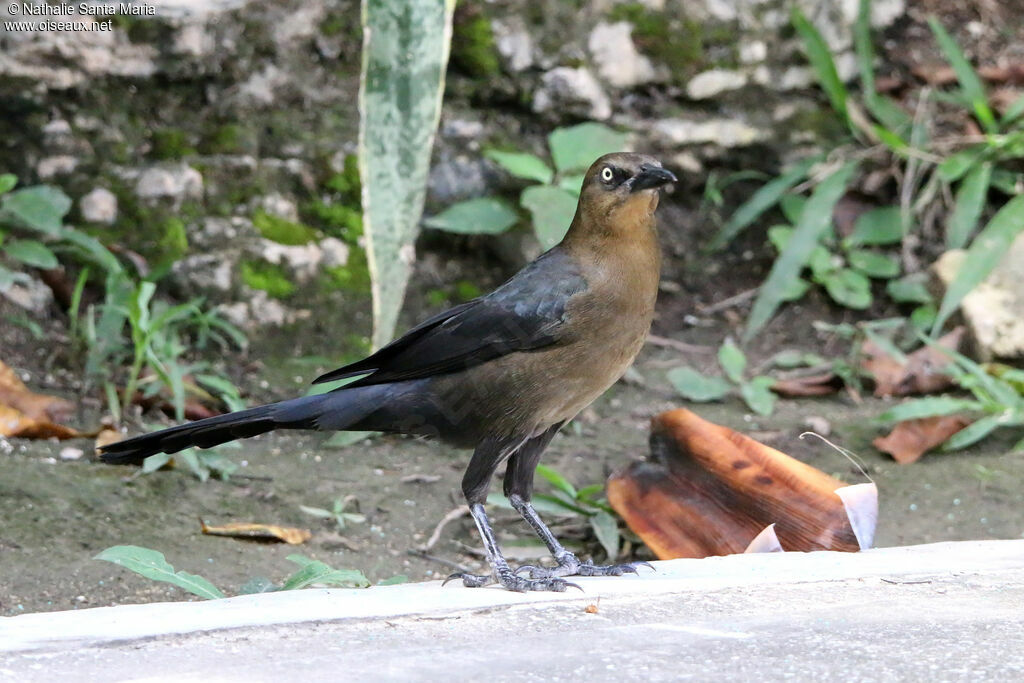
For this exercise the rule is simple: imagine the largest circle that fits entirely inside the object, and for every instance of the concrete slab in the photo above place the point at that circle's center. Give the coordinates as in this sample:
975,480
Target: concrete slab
948,611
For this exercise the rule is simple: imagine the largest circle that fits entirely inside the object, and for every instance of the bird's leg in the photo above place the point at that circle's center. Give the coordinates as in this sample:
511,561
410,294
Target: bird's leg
474,485
519,490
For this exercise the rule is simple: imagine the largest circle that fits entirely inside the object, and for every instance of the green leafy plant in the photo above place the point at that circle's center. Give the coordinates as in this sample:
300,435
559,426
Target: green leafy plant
881,133
338,512
203,462
153,565
565,500
997,401
845,267
756,392
551,201
24,215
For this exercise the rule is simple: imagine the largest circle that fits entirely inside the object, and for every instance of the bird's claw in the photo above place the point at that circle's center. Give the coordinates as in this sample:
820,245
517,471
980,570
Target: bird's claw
513,582
573,567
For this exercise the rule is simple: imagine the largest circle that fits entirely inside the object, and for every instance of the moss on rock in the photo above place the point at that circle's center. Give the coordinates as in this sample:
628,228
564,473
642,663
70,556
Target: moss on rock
281,230
268,277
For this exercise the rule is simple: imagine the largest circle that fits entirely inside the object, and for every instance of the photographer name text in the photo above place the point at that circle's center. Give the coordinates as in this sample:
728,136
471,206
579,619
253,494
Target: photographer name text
83,8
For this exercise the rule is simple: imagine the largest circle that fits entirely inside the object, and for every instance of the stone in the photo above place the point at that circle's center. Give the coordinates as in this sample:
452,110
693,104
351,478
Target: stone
335,252
617,60
99,206
260,310
303,259
71,453
280,206
50,167
206,272
457,177
177,182
753,51
30,294
573,91
994,310
708,84
721,132
514,43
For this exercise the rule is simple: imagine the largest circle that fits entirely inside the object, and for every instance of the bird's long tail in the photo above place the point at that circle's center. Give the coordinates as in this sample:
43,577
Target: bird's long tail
334,410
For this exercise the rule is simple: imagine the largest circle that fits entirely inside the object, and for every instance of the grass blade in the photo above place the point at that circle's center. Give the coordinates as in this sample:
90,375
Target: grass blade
970,84
972,433
814,221
767,196
984,254
932,406
970,202
821,61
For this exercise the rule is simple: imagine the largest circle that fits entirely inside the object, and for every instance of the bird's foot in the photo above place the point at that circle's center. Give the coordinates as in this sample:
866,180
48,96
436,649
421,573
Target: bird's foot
569,565
510,580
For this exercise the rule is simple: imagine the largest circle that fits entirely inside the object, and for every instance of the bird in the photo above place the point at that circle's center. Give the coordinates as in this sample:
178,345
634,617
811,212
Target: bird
499,374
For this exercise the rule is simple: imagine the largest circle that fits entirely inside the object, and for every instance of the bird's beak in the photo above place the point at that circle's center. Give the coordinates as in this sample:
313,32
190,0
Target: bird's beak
650,177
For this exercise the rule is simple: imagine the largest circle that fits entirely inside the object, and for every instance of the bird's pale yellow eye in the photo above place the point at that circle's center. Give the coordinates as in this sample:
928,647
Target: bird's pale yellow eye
606,174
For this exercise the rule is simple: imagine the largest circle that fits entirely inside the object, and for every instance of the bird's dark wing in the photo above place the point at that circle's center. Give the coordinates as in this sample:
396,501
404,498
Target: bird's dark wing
527,312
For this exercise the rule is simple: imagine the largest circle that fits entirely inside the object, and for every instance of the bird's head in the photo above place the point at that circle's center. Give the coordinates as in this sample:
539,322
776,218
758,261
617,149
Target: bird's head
623,189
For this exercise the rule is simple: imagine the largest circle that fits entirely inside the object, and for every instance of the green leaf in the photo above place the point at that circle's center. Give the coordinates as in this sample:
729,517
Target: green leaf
697,387
933,406
779,236
314,571
814,223
405,54
7,182
1014,111
910,289
572,184
346,439
9,277
481,216
758,396
394,580
256,585
606,528
40,208
732,360
877,227
556,480
577,147
820,57
552,210
522,165
872,264
923,317
970,202
848,288
972,433
970,84
796,290
31,252
767,196
822,264
1006,181
956,165
792,206
153,565
791,358
984,254
155,462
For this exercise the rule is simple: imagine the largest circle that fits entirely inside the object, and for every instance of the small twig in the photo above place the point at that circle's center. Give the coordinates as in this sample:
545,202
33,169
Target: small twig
665,342
734,300
440,560
452,515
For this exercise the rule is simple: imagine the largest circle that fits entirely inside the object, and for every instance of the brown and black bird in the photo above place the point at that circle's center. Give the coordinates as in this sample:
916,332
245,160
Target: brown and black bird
501,373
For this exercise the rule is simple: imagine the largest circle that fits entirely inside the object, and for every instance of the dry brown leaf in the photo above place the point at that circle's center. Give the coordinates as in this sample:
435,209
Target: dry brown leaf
16,423
14,394
258,532
106,437
911,439
935,74
810,385
921,373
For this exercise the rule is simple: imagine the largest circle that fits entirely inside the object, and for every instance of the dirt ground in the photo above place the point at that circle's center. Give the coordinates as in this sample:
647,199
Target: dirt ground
58,514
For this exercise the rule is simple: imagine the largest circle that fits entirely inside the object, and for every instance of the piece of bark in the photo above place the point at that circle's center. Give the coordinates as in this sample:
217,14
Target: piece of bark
709,490
911,439
822,384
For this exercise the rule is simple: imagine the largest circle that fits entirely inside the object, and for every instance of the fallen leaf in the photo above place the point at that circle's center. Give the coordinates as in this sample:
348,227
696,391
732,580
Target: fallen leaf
935,74
809,385
911,439
921,372
106,437
258,532
15,395
16,423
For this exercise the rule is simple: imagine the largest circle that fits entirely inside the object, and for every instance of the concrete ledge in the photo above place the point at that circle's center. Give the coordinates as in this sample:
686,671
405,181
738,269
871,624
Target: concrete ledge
105,626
